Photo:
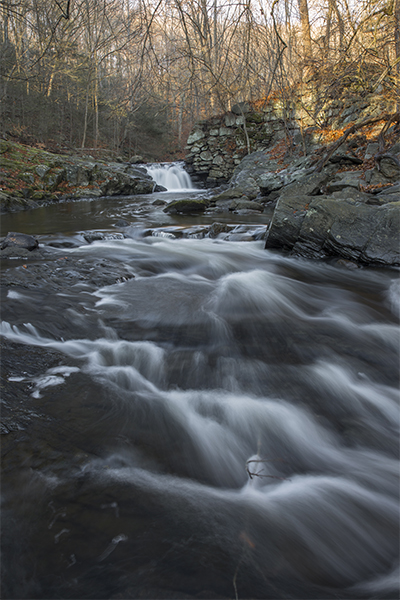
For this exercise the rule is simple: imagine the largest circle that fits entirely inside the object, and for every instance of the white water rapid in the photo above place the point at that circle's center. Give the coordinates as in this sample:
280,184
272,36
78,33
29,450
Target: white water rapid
172,176
222,425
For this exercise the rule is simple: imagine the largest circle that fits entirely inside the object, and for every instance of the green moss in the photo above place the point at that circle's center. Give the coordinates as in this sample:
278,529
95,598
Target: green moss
186,206
255,118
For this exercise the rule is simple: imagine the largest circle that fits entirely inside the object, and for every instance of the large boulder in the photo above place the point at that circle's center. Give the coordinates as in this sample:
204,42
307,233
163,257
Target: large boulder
185,207
389,166
327,226
258,173
291,209
19,240
124,184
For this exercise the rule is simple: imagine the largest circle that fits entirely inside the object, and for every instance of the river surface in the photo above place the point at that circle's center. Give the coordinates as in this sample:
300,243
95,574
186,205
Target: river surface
220,423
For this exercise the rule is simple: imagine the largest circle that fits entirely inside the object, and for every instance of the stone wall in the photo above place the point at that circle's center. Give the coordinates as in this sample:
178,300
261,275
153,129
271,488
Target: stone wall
215,146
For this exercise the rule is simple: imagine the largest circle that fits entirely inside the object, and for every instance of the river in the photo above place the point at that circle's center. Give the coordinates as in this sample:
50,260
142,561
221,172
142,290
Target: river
222,422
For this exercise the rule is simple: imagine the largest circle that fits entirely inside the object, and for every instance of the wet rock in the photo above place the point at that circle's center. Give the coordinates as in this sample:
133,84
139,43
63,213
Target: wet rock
217,228
65,244
20,240
93,236
61,271
186,206
17,368
137,171
93,193
347,264
123,184
159,202
245,204
122,223
15,252
291,209
159,188
136,159
347,229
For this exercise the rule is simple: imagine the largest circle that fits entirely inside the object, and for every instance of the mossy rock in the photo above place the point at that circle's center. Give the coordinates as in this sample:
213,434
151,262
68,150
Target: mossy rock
255,118
27,178
185,207
43,195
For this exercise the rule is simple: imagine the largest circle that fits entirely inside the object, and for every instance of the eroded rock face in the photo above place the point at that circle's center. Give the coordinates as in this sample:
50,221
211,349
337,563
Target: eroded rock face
350,214
323,226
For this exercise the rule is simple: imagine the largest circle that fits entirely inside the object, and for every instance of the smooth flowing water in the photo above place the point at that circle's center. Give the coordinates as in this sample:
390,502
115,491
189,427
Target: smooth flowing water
224,424
172,176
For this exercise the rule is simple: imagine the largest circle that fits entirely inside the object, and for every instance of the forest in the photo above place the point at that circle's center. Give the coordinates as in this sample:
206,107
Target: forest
133,76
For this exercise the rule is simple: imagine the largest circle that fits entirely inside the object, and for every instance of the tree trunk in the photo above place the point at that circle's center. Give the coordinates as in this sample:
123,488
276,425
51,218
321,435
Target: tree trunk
305,29
86,116
397,32
396,11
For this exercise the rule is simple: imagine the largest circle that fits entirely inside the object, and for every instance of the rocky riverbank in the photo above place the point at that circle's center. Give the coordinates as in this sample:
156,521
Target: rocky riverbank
30,177
339,210
217,145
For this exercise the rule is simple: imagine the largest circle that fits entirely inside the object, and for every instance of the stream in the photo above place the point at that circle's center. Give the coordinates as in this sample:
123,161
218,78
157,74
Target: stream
198,417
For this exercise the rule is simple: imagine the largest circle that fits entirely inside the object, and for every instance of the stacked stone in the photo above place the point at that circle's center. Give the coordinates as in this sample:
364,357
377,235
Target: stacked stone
216,146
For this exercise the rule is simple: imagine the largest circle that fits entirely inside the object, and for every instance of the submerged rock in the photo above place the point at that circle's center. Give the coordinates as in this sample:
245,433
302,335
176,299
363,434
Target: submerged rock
217,229
122,223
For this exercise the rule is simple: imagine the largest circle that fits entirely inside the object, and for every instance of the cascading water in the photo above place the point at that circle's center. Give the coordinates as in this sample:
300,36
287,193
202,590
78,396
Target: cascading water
172,176
223,424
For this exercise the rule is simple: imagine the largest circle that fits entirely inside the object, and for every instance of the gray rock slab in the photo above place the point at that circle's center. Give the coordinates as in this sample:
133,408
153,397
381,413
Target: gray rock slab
344,180
356,232
195,136
245,205
390,167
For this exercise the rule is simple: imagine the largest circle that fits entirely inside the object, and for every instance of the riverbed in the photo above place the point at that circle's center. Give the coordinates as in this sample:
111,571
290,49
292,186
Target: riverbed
193,416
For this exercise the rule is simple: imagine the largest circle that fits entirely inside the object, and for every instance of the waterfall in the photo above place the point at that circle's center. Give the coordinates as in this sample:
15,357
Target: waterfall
170,175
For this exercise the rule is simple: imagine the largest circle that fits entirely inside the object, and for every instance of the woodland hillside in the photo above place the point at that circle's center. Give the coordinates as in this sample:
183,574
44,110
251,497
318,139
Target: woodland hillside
134,76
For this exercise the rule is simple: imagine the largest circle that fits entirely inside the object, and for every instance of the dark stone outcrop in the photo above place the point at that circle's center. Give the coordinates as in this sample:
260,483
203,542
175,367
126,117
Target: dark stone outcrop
323,226
19,240
124,184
